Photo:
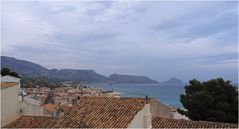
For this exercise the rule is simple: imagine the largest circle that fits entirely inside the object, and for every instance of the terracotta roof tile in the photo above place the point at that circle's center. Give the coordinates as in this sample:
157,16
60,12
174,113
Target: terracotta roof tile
30,122
49,107
174,123
92,112
102,112
7,84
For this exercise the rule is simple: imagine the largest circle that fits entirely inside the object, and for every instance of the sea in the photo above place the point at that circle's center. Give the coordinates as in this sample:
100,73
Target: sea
169,95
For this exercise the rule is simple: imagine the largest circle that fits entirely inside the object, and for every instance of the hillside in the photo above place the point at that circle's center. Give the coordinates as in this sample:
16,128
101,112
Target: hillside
83,76
117,78
172,82
23,67
29,69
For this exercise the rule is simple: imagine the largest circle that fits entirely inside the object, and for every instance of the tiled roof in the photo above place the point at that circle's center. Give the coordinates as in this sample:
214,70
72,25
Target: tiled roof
174,123
7,84
101,112
30,122
49,107
92,112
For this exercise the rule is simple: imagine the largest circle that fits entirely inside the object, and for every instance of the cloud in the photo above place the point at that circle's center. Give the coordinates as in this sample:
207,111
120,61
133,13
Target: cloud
20,27
101,11
197,24
158,39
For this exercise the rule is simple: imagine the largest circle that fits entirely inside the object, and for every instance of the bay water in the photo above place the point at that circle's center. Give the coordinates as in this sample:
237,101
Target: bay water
169,94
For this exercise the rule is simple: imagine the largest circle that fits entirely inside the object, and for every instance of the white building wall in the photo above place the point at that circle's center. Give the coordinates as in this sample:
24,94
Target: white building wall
177,115
30,106
29,100
8,78
142,119
159,109
138,121
29,109
10,109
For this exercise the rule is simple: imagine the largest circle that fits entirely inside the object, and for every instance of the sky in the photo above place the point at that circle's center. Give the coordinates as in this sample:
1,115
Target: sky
157,39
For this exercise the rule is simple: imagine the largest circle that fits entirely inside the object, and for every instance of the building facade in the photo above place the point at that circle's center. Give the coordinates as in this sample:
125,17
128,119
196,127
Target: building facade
10,109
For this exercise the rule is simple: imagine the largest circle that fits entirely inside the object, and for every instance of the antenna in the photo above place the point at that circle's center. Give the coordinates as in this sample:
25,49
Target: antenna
147,99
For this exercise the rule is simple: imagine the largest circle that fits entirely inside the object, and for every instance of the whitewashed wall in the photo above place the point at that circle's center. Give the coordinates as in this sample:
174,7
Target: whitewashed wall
177,115
8,78
137,122
29,109
159,109
10,109
142,119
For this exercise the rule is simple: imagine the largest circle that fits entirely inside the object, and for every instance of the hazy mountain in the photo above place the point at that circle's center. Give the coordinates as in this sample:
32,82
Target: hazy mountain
84,76
26,68
117,78
172,81
29,69
23,67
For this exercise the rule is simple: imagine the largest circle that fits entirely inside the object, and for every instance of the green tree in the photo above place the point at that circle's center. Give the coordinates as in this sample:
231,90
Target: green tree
214,100
7,71
14,74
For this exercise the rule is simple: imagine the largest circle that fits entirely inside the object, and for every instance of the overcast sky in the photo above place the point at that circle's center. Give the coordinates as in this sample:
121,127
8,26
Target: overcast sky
157,39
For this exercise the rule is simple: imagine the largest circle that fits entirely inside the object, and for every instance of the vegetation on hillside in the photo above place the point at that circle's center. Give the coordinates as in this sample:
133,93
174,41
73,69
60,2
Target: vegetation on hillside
214,100
32,82
29,82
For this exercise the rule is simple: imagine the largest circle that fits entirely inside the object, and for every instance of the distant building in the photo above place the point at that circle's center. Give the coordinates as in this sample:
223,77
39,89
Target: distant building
8,78
52,110
68,83
10,110
30,106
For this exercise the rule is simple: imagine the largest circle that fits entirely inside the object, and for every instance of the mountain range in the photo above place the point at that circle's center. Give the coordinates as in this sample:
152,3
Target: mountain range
172,81
117,78
29,69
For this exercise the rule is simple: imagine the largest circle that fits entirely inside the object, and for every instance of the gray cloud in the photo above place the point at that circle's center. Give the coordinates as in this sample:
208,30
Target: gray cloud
207,21
157,39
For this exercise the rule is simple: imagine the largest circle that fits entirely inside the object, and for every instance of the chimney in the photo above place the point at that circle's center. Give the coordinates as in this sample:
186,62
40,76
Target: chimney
147,115
78,100
22,96
59,112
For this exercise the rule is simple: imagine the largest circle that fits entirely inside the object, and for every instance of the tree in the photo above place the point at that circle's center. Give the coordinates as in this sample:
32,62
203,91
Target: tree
6,71
14,74
214,100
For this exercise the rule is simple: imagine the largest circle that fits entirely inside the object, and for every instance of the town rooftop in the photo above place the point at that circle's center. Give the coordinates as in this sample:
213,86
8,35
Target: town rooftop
92,112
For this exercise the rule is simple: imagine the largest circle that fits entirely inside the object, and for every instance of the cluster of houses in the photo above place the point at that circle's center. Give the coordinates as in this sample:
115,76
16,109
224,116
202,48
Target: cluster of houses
62,95
85,108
